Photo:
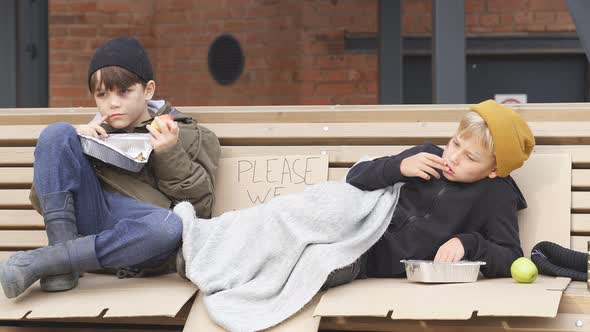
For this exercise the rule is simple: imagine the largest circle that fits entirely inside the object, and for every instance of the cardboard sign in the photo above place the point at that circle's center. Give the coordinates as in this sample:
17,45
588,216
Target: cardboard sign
247,181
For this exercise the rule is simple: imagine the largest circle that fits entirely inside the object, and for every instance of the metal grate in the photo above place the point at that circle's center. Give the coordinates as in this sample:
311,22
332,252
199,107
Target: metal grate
226,59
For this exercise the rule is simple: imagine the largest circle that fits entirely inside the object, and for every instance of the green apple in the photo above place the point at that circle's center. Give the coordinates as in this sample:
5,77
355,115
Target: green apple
524,270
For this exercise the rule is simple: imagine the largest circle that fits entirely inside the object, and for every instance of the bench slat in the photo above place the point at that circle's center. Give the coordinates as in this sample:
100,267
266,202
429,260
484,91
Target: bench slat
19,198
580,243
551,132
20,219
19,240
338,154
16,177
22,177
580,223
15,199
581,201
30,219
16,156
327,113
16,240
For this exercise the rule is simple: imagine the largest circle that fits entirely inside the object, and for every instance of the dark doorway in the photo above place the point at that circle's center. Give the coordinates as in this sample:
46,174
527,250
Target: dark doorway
544,78
24,53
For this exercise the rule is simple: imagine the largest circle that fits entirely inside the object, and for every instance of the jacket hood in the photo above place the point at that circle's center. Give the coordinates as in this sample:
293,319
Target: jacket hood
521,203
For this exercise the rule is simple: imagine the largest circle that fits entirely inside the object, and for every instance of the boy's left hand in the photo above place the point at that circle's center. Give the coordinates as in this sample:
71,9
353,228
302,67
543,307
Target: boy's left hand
451,251
165,139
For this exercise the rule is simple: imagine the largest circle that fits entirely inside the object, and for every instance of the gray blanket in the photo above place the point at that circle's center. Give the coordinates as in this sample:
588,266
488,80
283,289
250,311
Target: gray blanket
258,266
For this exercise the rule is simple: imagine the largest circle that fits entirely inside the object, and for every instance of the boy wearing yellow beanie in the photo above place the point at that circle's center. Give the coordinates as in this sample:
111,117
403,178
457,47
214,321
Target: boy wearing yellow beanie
458,203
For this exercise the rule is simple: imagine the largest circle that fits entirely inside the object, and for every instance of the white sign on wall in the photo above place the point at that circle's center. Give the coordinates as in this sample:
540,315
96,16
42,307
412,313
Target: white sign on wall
520,98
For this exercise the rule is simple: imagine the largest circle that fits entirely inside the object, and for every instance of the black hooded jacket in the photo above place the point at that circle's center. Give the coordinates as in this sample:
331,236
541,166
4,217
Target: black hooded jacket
430,212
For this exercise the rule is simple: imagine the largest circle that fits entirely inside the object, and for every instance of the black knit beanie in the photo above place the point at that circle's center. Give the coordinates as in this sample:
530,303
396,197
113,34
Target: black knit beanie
125,52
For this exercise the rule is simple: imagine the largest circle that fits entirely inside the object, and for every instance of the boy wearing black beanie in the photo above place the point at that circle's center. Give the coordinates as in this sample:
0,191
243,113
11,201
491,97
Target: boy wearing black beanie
99,216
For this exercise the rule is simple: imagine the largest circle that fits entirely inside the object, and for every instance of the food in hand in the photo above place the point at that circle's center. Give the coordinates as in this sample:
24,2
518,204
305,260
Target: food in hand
524,270
167,118
140,157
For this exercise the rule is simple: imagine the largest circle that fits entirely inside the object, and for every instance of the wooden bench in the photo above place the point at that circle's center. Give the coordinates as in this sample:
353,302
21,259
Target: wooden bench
344,133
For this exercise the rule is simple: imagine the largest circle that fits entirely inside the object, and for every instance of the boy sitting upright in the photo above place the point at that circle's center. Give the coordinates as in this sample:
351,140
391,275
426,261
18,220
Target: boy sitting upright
98,216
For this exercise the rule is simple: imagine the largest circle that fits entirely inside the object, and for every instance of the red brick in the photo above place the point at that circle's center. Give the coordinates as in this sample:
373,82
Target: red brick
82,31
294,49
474,6
372,87
489,20
544,18
312,100
69,91
335,89
113,6
341,21
416,6
335,75
535,28
523,18
479,29
506,6
330,61
77,6
307,89
563,18
503,28
548,5
356,100
507,20
471,20
561,27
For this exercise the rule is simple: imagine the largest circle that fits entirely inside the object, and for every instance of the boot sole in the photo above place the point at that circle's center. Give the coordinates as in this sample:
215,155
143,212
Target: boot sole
59,283
8,291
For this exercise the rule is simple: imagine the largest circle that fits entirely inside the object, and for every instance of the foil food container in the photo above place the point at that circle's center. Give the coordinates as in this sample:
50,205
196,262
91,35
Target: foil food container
441,272
127,151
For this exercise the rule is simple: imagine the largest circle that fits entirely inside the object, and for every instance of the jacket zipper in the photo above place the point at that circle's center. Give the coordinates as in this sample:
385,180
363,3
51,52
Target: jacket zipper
411,219
435,200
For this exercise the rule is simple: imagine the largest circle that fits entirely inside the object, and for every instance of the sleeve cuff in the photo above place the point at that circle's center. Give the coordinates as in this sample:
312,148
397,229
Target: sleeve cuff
392,172
469,244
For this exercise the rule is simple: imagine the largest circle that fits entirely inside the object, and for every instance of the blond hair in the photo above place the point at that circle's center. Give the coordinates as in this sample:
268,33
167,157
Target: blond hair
473,125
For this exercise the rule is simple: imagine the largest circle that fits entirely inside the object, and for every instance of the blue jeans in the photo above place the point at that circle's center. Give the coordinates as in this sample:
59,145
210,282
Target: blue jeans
129,233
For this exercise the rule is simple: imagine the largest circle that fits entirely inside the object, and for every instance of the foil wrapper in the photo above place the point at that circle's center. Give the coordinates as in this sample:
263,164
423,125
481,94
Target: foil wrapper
441,272
127,151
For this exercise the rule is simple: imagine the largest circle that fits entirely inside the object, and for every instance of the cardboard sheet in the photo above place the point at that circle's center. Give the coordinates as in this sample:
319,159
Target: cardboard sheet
247,181
545,180
198,319
162,296
407,300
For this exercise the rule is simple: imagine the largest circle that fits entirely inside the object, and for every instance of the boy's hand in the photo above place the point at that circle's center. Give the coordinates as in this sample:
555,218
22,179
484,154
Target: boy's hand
93,128
422,165
165,138
451,251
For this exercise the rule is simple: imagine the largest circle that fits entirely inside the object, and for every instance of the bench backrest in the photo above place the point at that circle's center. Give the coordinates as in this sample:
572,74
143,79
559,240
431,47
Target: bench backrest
344,133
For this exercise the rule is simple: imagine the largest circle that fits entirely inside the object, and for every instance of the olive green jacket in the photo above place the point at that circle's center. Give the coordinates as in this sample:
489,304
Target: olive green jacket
184,173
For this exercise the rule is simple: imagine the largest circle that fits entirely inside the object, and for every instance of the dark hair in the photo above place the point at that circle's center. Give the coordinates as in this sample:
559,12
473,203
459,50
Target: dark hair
114,77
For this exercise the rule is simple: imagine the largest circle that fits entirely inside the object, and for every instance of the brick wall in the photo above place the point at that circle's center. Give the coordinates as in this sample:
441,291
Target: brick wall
294,48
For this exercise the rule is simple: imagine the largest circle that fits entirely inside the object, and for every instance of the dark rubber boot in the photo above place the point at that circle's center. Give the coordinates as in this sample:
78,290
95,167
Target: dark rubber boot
24,268
60,225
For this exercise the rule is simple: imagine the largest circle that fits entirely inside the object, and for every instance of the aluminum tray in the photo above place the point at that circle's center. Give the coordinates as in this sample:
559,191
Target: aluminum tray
127,151
439,272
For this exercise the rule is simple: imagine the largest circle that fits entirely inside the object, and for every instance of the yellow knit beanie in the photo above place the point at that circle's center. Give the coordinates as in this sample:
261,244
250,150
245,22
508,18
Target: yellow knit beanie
513,139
